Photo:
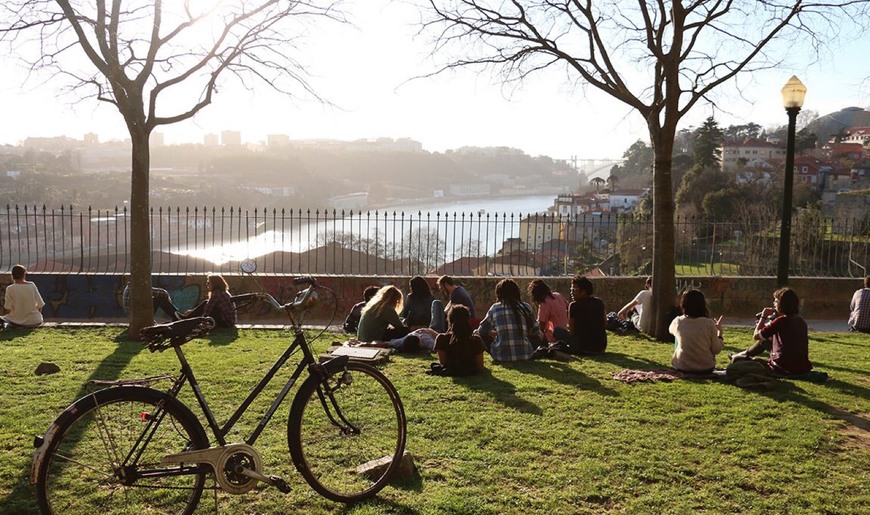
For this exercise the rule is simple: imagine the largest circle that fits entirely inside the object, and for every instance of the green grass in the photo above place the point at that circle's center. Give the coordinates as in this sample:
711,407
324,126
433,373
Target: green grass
538,437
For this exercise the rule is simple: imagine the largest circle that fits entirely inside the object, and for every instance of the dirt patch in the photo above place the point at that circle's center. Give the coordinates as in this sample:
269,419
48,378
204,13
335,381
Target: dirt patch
856,430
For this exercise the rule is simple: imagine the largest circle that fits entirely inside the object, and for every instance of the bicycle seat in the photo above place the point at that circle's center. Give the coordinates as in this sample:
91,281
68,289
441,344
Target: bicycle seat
177,333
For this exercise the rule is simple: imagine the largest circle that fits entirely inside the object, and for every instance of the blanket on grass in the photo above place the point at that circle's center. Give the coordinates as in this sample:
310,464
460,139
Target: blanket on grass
659,374
670,374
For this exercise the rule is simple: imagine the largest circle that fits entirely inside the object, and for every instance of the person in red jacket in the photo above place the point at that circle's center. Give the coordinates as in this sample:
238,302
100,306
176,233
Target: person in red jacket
781,331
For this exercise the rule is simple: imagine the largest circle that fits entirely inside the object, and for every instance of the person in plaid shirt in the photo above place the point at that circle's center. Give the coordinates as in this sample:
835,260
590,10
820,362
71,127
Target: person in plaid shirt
859,318
219,305
508,324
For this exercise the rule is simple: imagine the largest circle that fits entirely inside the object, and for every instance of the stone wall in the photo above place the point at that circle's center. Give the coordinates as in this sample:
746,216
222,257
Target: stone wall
98,297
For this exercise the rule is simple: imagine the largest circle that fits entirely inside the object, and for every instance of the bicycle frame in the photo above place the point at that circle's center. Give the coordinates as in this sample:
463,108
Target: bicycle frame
220,432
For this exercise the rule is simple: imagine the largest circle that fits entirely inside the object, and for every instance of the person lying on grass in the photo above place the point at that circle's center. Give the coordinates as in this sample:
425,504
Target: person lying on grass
381,326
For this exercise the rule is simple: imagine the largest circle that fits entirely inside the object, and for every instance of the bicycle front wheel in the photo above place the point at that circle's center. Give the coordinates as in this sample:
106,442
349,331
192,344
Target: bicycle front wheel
341,422
105,455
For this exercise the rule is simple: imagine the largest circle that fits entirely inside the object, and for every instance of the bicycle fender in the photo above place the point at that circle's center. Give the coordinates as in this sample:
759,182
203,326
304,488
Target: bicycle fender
335,364
41,444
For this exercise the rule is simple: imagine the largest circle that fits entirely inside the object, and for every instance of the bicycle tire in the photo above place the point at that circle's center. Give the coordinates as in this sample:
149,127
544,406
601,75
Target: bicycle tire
326,456
77,474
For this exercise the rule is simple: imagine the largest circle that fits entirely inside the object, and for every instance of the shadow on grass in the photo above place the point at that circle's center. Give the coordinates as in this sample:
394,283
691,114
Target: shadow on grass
788,390
503,391
22,498
222,336
561,372
624,360
821,365
379,505
12,332
818,338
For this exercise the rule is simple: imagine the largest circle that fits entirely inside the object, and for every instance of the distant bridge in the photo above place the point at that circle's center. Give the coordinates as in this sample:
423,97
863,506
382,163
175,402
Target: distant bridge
595,167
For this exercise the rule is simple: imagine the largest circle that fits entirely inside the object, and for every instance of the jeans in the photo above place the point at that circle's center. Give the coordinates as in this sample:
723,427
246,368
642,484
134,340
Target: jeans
439,318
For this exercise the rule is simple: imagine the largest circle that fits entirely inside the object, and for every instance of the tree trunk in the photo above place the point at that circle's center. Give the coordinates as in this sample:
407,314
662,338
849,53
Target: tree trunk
663,295
141,310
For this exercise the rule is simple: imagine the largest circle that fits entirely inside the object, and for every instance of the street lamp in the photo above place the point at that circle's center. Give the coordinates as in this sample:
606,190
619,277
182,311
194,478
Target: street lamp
793,94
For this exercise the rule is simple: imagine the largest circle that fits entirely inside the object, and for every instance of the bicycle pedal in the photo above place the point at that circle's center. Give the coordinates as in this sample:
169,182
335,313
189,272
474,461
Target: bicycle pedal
280,484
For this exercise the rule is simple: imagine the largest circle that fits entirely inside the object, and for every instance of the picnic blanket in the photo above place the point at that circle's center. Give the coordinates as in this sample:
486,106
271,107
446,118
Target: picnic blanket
658,374
750,381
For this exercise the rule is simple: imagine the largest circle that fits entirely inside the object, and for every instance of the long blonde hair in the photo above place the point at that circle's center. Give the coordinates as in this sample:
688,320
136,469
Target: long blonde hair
388,296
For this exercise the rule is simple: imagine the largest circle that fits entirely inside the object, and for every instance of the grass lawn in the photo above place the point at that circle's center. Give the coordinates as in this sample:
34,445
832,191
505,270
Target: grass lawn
538,437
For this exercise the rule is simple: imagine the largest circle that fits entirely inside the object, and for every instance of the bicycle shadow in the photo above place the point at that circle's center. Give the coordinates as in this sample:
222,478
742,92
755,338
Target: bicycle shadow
22,497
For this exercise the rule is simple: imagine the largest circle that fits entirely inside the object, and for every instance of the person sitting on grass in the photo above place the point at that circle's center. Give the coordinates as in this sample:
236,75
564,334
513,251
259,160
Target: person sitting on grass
352,321
637,310
509,326
455,294
552,308
218,305
781,331
460,351
417,312
698,338
23,302
587,322
859,308
381,326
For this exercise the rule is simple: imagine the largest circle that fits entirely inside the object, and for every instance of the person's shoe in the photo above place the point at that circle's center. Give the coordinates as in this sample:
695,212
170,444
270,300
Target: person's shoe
540,352
560,356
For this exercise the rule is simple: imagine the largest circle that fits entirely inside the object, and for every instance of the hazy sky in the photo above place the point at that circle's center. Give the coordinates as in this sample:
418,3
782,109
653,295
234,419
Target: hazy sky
364,70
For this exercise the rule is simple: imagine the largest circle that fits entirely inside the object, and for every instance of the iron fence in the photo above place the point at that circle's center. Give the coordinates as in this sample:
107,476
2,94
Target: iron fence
329,242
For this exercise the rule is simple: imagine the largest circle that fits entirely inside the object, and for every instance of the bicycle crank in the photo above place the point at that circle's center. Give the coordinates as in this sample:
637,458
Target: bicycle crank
237,467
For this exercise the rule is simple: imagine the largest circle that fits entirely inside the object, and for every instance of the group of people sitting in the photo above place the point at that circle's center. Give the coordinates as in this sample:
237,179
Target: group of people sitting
779,331
510,331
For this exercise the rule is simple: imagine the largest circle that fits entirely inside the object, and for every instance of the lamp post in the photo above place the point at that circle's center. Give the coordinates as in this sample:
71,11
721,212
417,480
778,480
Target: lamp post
793,94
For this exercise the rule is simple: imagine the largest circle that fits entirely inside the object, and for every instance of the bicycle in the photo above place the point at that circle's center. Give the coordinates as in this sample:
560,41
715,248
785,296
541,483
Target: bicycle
131,448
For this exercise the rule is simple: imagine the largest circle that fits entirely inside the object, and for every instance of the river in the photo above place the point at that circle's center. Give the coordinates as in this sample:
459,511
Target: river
485,225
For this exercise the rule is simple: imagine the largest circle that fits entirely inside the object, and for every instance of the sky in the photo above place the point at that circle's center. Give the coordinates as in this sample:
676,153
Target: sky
365,70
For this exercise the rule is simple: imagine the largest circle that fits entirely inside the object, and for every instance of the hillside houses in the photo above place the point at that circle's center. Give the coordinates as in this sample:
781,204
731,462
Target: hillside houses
751,154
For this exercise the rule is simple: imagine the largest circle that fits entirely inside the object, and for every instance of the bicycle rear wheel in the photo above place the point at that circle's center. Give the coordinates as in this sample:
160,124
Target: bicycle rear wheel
339,423
84,468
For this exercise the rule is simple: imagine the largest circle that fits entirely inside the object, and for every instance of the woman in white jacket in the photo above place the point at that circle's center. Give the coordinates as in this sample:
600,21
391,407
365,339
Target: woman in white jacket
698,337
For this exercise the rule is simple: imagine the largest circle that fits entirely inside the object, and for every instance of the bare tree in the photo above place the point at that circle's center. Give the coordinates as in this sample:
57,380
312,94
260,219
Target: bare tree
659,58
147,59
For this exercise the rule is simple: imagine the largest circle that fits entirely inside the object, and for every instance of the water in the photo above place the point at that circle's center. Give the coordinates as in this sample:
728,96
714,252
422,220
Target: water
516,205
487,223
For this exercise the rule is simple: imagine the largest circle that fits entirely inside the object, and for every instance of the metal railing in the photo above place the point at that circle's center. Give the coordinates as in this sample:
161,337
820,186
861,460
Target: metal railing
330,242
